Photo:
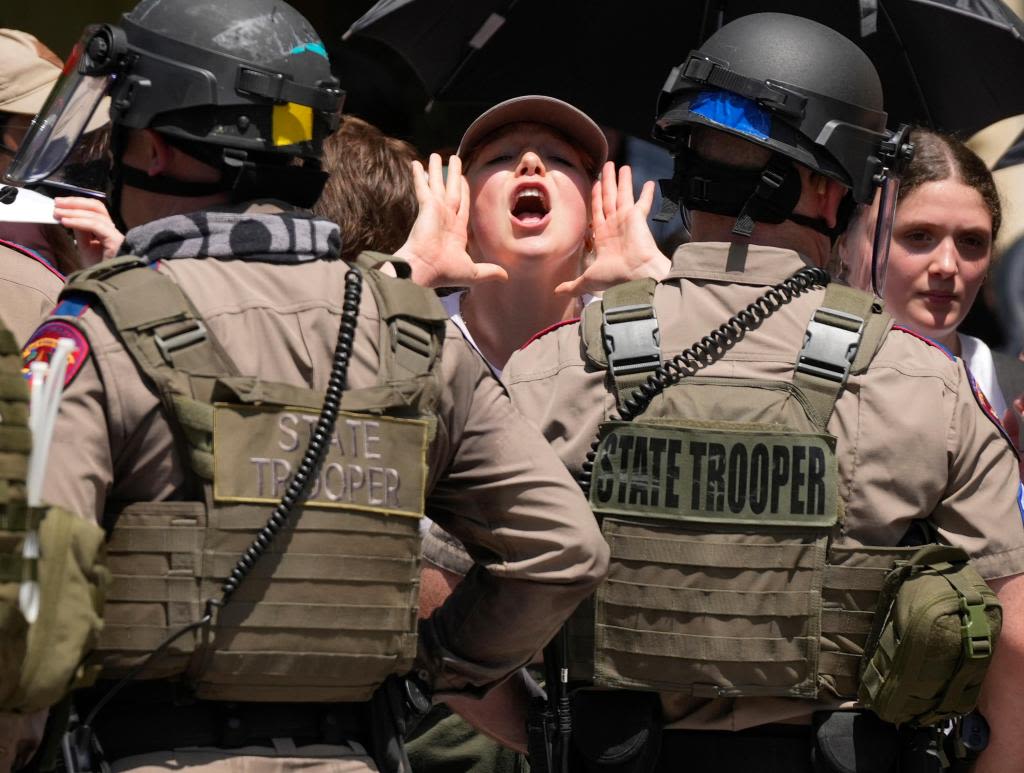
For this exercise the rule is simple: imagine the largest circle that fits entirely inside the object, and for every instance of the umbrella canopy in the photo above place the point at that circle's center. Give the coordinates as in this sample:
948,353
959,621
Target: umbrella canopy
955,65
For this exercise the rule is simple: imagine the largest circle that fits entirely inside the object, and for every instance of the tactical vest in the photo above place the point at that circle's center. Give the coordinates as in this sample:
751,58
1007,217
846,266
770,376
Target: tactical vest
40,657
721,506
330,609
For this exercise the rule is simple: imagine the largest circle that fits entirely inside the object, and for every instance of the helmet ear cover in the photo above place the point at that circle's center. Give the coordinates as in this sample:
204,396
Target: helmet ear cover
767,195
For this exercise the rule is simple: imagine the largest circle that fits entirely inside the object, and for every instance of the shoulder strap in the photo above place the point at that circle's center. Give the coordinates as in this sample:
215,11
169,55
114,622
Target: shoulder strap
412,327
843,336
368,259
158,324
630,341
168,341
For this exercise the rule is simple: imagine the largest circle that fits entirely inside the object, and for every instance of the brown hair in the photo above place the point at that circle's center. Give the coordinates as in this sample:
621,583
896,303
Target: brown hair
370,192
939,157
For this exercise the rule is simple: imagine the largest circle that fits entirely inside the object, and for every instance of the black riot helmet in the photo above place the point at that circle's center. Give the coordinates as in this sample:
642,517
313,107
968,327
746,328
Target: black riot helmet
244,85
794,87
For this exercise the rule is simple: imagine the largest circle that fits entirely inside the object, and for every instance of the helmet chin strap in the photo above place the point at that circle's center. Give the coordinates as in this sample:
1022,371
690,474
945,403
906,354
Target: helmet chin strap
766,195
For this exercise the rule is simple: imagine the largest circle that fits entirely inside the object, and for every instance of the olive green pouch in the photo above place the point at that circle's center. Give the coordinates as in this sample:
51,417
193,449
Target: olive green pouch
42,660
935,631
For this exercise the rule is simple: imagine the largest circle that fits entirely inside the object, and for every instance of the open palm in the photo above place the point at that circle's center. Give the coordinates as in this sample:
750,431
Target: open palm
436,247
624,247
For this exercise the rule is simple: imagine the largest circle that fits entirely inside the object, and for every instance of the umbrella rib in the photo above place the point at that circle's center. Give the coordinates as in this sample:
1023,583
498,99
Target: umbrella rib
473,50
910,66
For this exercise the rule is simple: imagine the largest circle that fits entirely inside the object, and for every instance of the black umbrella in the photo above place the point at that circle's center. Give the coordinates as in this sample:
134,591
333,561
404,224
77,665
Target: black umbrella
954,65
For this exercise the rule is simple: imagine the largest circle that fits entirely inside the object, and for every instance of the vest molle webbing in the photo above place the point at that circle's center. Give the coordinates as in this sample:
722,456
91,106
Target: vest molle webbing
330,610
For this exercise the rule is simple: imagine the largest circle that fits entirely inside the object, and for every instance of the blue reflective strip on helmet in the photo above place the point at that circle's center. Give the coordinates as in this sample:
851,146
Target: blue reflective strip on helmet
733,112
315,47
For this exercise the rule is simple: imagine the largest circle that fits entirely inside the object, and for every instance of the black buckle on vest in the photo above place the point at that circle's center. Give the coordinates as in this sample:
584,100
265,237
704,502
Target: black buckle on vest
830,346
195,332
632,339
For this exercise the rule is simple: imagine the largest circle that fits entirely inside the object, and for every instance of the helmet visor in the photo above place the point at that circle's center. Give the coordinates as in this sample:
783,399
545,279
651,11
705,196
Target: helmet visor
56,130
887,199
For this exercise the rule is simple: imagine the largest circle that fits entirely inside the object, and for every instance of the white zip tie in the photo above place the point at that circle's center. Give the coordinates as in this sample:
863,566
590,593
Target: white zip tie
46,387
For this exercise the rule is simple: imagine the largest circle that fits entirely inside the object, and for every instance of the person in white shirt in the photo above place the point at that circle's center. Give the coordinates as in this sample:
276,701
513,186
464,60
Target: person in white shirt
947,218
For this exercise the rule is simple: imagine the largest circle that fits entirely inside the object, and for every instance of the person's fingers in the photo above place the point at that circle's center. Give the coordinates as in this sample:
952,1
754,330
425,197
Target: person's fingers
95,224
488,272
81,203
573,287
608,188
625,191
646,200
435,174
462,213
420,184
596,206
453,185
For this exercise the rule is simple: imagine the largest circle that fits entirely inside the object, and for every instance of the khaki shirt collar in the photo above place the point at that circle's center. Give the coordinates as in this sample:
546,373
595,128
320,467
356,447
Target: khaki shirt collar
753,264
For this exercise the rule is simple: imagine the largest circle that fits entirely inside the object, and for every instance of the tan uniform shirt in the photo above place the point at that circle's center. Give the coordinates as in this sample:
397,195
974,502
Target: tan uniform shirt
28,292
913,441
499,488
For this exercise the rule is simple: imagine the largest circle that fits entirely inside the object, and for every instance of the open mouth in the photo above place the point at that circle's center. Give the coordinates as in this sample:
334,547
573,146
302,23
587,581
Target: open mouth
530,205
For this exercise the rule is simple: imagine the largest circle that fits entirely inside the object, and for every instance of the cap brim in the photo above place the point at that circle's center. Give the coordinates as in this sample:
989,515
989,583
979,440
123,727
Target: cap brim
576,125
29,103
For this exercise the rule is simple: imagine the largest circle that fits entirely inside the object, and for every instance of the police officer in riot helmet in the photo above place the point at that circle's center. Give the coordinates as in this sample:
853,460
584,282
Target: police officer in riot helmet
260,427
779,471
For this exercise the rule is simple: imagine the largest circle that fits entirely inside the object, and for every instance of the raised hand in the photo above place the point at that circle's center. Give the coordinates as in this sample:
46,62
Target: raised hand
624,247
95,234
436,247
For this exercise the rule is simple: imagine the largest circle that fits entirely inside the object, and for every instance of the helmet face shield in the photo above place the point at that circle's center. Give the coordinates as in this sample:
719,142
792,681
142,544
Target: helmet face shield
58,148
887,199
894,155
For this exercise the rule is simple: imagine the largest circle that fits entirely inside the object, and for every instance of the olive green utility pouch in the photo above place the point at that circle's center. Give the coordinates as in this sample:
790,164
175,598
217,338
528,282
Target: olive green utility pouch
935,631
42,661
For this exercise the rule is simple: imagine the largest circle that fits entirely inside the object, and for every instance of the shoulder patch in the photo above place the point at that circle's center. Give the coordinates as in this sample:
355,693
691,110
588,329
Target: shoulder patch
986,406
927,340
42,343
548,329
1020,501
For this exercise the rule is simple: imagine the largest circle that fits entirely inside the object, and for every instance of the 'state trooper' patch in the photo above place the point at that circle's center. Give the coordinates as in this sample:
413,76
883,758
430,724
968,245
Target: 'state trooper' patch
42,343
373,463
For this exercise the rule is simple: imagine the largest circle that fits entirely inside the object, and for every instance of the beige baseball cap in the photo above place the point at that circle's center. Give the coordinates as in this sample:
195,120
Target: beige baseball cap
28,70
533,108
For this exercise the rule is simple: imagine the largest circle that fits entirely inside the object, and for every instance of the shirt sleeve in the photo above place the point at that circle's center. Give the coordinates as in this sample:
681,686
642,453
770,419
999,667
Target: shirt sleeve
981,509
505,495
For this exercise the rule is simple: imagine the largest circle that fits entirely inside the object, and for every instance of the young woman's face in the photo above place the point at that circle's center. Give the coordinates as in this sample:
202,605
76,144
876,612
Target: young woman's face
941,250
529,191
